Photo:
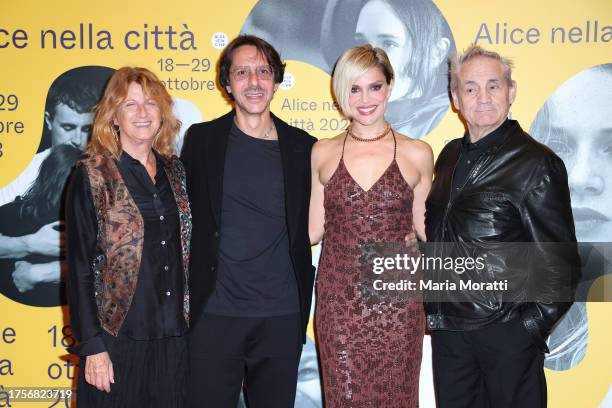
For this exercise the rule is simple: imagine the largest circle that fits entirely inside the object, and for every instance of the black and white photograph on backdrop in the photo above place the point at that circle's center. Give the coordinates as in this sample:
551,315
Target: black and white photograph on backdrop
414,34
575,123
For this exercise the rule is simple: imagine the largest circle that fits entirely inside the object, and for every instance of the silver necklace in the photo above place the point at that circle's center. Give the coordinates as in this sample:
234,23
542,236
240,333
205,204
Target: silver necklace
268,132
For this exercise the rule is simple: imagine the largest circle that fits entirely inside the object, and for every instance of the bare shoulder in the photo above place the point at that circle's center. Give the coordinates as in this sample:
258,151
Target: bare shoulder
416,151
324,148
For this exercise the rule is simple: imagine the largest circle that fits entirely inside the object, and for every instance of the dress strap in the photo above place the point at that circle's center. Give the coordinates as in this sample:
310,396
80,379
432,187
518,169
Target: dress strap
344,143
394,144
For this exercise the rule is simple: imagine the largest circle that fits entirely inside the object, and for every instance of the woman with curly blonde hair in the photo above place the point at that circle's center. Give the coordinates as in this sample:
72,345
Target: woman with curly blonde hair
128,231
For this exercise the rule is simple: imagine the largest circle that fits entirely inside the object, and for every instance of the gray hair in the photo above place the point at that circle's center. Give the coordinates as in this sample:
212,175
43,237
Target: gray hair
472,52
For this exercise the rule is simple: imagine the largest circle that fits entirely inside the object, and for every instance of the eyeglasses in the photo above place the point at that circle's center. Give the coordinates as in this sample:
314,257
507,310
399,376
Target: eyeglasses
264,72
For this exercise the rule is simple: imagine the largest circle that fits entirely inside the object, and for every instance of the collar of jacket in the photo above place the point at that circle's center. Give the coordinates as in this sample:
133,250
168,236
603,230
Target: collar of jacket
289,147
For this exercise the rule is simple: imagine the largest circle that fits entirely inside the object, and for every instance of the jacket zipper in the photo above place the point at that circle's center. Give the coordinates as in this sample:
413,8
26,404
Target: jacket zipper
470,176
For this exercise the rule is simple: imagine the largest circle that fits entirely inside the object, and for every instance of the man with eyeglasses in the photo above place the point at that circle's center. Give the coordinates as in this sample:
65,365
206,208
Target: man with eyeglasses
248,178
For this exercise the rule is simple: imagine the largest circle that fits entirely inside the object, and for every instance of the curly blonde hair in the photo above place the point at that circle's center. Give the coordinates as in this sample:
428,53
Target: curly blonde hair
103,140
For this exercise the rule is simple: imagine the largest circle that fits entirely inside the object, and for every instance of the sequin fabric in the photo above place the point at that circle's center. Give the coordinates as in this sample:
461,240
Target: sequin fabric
370,352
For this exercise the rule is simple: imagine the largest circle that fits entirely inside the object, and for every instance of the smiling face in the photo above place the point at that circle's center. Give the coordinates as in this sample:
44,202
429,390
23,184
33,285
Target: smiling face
368,98
379,25
252,93
483,95
580,132
67,126
138,117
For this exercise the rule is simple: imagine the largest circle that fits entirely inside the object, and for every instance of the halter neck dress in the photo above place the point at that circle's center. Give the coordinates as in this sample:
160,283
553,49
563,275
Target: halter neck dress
370,352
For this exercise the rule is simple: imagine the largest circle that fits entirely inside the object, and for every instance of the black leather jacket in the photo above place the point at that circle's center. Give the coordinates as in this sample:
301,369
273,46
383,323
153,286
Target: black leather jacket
516,192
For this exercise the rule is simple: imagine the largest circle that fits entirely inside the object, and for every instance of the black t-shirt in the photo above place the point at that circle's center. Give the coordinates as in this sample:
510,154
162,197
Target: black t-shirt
254,277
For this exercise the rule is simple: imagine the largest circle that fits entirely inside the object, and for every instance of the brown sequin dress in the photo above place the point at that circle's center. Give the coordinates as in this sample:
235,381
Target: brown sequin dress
370,352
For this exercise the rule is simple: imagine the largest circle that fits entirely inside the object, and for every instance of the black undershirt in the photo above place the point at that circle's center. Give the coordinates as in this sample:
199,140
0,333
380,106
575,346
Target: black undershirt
254,277
470,152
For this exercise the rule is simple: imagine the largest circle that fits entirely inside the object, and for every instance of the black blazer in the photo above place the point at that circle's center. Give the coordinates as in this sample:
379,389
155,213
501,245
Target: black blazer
204,158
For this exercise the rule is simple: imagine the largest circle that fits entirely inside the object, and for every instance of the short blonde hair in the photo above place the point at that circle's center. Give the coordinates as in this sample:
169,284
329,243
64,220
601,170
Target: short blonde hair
351,65
103,140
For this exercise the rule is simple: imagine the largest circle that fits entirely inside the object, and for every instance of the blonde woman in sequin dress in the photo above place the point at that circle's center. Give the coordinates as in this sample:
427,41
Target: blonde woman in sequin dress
369,185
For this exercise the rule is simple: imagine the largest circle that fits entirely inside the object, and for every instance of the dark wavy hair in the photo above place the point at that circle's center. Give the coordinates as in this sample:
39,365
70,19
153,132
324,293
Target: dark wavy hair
45,194
263,47
424,24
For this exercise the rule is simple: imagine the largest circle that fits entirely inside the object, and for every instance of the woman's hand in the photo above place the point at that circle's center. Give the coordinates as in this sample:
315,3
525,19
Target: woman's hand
99,371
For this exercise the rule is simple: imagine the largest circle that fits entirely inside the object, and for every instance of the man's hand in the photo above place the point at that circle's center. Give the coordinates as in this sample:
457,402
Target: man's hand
45,241
99,371
24,276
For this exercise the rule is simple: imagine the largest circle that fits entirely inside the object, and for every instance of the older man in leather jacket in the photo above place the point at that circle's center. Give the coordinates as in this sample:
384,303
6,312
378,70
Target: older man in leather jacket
503,196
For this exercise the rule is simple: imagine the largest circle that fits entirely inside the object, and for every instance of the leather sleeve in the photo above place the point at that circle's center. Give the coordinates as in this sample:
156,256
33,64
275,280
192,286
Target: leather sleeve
555,264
